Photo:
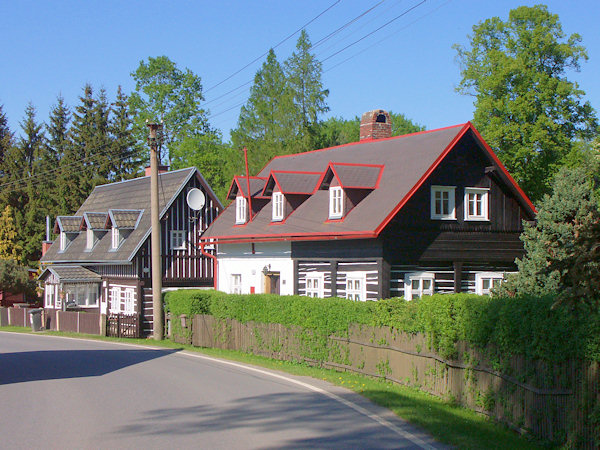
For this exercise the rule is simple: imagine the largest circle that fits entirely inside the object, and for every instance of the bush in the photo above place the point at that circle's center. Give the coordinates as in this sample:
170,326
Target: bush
525,326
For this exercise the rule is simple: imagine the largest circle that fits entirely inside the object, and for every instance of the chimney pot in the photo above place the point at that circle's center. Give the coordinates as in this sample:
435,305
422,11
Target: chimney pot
375,124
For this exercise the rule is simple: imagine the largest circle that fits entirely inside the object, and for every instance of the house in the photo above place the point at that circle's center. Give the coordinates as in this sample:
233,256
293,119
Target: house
101,261
429,212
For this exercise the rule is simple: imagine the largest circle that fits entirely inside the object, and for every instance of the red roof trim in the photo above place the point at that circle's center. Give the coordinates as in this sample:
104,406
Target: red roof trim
290,237
332,165
497,161
367,233
419,183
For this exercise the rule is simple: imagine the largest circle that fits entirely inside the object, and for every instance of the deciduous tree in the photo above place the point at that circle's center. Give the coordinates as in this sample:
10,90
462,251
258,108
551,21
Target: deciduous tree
525,106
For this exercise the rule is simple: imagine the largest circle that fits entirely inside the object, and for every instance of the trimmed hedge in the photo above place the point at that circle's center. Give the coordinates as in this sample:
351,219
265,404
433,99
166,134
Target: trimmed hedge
513,326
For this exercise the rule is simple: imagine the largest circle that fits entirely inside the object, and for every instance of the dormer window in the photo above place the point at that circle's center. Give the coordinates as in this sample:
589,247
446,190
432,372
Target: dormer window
336,202
277,206
240,210
63,240
115,238
89,244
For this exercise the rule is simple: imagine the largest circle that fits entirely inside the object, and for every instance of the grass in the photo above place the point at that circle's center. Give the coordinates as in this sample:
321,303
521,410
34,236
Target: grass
447,422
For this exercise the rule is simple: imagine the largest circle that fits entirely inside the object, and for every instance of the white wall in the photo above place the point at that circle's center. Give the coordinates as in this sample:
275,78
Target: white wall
239,259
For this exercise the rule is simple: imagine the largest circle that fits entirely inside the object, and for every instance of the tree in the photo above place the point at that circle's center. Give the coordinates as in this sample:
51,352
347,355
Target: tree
268,122
58,130
124,151
6,138
525,107
15,278
163,92
303,72
337,131
562,253
9,248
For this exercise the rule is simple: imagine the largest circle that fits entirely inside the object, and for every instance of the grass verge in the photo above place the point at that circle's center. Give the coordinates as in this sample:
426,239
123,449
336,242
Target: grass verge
448,423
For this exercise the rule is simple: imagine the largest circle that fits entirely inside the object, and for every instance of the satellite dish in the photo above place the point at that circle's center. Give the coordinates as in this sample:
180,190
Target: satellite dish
195,199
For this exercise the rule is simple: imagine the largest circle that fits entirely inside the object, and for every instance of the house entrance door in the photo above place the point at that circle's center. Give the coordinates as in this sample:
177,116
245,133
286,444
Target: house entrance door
272,283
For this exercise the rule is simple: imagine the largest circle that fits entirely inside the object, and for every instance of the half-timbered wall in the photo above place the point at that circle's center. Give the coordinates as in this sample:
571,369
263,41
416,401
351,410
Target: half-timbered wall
186,266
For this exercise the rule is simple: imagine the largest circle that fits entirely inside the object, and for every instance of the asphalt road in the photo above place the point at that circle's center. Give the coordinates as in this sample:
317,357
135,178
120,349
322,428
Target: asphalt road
59,393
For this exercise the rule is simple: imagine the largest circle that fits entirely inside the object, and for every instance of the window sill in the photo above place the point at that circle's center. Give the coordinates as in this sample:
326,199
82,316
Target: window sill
444,218
477,219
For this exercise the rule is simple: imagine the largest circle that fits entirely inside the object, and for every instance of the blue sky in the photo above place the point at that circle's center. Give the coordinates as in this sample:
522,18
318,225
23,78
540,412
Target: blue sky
52,48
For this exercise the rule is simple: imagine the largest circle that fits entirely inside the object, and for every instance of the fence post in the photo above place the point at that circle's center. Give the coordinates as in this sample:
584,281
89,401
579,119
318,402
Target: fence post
119,325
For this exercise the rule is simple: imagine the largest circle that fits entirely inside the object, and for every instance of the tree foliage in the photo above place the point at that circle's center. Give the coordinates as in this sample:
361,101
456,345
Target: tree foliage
525,106
163,92
9,247
562,254
15,278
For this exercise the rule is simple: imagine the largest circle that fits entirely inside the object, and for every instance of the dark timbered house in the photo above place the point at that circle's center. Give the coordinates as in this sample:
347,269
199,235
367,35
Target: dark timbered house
428,212
101,260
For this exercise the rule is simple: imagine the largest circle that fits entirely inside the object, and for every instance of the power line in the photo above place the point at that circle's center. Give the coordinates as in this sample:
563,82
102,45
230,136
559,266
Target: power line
275,46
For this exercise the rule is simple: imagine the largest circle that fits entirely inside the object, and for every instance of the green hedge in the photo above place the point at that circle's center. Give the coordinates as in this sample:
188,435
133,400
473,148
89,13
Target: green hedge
526,326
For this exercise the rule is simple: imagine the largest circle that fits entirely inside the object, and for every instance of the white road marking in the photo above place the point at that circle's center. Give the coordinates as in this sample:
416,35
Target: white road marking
380,420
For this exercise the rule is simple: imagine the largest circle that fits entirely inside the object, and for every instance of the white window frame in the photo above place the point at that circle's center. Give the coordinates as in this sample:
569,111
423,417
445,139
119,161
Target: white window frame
236,283
49,295
422,290
178,240
241,210
114,301
336,202
484,202
314,285
63,240
81,294
89,243
128,301
481,277
278,202
115,238
451,191
356,286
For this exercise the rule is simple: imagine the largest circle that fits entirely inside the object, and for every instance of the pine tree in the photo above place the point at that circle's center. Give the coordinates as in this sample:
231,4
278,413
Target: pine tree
303,72
9,248
125,153
6,138
268,122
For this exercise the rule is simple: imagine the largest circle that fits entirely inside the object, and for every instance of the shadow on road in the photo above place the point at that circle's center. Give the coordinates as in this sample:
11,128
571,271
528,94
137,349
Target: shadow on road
324,423
56,364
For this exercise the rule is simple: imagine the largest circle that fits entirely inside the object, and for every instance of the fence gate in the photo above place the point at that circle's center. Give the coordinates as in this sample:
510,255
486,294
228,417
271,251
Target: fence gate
123,325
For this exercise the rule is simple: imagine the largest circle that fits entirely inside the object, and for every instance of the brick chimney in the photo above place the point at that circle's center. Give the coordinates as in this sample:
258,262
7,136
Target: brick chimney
375,124
161,169
47,243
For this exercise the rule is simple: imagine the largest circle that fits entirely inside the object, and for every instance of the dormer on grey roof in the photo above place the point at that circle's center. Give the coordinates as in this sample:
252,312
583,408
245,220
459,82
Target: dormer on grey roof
67,224
93,221
123,219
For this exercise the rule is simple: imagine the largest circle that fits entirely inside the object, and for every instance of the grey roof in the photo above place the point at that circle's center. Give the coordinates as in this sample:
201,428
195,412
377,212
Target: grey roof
293,182
95,221
68,224
125,195
357,176
406,160
240,184
126,219
72,274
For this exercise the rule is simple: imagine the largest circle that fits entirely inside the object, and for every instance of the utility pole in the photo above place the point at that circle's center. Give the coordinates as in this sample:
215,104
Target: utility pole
157,305
248,185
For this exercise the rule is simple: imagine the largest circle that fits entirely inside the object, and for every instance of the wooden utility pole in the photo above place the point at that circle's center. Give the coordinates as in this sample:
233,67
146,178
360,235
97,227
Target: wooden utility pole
157,305
248,185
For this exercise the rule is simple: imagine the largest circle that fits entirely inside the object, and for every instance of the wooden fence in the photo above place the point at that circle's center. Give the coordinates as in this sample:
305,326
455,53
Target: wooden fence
550,401
69,321
121,325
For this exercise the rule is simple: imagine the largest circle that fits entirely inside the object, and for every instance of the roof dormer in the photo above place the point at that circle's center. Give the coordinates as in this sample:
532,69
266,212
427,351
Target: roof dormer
94,225
288,190
67,227
238,191
349,184
121,223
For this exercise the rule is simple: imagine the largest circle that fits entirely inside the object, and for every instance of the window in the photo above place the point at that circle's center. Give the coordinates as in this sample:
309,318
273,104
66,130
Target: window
121,300
50,294
486,281
63,240
81,294
476,203
442,202
336,202
277,206
236,283
90,239
418,284
240,209
314,285
116,238
356,286
178,240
